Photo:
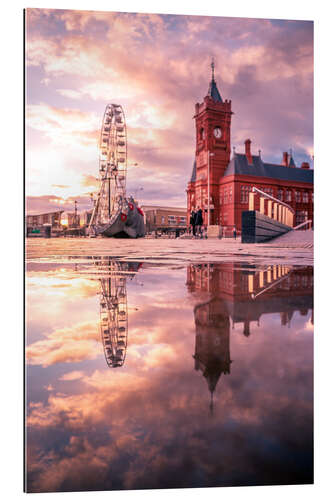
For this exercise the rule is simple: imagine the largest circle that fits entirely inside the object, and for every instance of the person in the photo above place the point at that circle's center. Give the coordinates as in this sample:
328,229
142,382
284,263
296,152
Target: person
199,220
235,232
192,222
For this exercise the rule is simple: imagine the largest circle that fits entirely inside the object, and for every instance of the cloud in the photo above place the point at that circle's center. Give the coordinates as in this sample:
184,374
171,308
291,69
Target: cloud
157,67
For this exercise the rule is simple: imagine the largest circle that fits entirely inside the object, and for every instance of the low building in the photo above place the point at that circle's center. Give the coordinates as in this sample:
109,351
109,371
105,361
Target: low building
164,219
40,224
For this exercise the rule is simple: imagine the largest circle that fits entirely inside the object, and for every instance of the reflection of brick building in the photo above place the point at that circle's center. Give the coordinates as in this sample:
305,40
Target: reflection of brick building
242,293
231,179
248,292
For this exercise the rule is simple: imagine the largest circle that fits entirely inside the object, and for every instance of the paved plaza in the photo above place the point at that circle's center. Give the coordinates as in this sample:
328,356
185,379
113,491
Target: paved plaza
295,248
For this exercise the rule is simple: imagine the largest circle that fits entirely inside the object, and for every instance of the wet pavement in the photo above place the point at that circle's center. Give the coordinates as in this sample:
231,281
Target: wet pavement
292,249
191,366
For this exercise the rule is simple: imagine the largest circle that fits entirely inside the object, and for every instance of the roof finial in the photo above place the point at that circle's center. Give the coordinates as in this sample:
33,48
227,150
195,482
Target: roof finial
259,151
212,65
290,152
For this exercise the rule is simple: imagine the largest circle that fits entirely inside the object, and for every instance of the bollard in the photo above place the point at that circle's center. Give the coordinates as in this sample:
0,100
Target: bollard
275,211
274,272
250,283
269,208
262,205
261,279
284,214
251,201
269,275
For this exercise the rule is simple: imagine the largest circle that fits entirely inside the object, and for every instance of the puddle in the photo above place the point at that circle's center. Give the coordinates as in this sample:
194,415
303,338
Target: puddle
164,375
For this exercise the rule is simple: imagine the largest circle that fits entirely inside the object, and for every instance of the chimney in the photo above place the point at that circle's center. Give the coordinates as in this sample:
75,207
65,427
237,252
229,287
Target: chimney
285,159
248,151
305,165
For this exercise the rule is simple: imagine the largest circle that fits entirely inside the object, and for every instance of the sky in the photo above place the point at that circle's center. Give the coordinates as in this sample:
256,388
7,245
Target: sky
157,67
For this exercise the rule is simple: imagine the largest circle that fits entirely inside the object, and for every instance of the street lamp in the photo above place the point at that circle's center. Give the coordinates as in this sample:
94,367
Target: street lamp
209,155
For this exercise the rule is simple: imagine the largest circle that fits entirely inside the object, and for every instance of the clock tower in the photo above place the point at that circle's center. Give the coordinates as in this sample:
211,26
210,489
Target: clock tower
212,152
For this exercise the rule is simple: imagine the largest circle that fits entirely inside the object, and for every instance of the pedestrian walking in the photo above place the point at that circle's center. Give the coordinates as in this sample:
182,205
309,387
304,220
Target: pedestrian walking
235,232
192,222
199,221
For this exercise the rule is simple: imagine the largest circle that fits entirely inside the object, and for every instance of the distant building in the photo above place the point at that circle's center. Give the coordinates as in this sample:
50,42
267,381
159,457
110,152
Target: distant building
86,216
73,219
37,224
164,219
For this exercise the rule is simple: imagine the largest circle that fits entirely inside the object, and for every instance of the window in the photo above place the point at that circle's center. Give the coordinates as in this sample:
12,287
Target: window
301,216
163,219
288,195
245,194
230,195
298,196
280,194
305,197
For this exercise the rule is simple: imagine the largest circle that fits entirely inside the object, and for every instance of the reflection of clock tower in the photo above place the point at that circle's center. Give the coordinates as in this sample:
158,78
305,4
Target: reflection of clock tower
212,341
213,120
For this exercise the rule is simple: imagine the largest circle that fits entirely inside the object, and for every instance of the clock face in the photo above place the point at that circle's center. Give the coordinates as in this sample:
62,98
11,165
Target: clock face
217,132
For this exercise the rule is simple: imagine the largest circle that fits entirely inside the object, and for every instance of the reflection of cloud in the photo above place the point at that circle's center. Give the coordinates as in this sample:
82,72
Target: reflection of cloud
66,345
76,375
147,425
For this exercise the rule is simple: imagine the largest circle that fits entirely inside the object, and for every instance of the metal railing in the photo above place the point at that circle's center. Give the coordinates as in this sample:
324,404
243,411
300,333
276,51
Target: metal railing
309,221
274,208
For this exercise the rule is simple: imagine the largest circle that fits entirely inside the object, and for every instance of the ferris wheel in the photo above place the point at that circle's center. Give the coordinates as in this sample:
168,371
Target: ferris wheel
113,314
111,198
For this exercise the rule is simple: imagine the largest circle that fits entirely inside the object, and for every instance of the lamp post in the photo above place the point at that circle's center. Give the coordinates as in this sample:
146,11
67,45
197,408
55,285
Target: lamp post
209,155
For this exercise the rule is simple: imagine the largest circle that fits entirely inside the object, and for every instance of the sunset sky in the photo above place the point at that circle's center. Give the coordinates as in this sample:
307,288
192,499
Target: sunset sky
157,67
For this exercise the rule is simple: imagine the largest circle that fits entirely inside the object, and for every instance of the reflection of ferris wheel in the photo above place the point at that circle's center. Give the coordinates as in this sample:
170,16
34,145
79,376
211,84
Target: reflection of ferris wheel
113,311
112,167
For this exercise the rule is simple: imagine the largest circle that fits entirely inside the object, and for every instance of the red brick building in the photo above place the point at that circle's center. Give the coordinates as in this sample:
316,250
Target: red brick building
232,178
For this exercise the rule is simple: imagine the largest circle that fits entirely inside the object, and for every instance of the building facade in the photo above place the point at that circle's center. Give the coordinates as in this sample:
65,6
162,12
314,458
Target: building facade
227,179
164,219
36,224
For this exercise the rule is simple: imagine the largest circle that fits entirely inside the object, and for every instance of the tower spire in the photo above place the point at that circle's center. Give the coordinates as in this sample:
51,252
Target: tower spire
212,65
213,90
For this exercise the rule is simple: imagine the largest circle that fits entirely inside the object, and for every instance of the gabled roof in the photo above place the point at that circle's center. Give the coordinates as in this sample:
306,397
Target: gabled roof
213,91
194,172
239,165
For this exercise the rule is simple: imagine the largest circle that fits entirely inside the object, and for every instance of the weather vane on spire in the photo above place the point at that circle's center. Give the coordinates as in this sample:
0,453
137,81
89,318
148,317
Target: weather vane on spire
212,65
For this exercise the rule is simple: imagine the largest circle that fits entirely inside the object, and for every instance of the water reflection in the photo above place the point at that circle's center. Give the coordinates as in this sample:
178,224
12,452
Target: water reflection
238,294
113,308
230,337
